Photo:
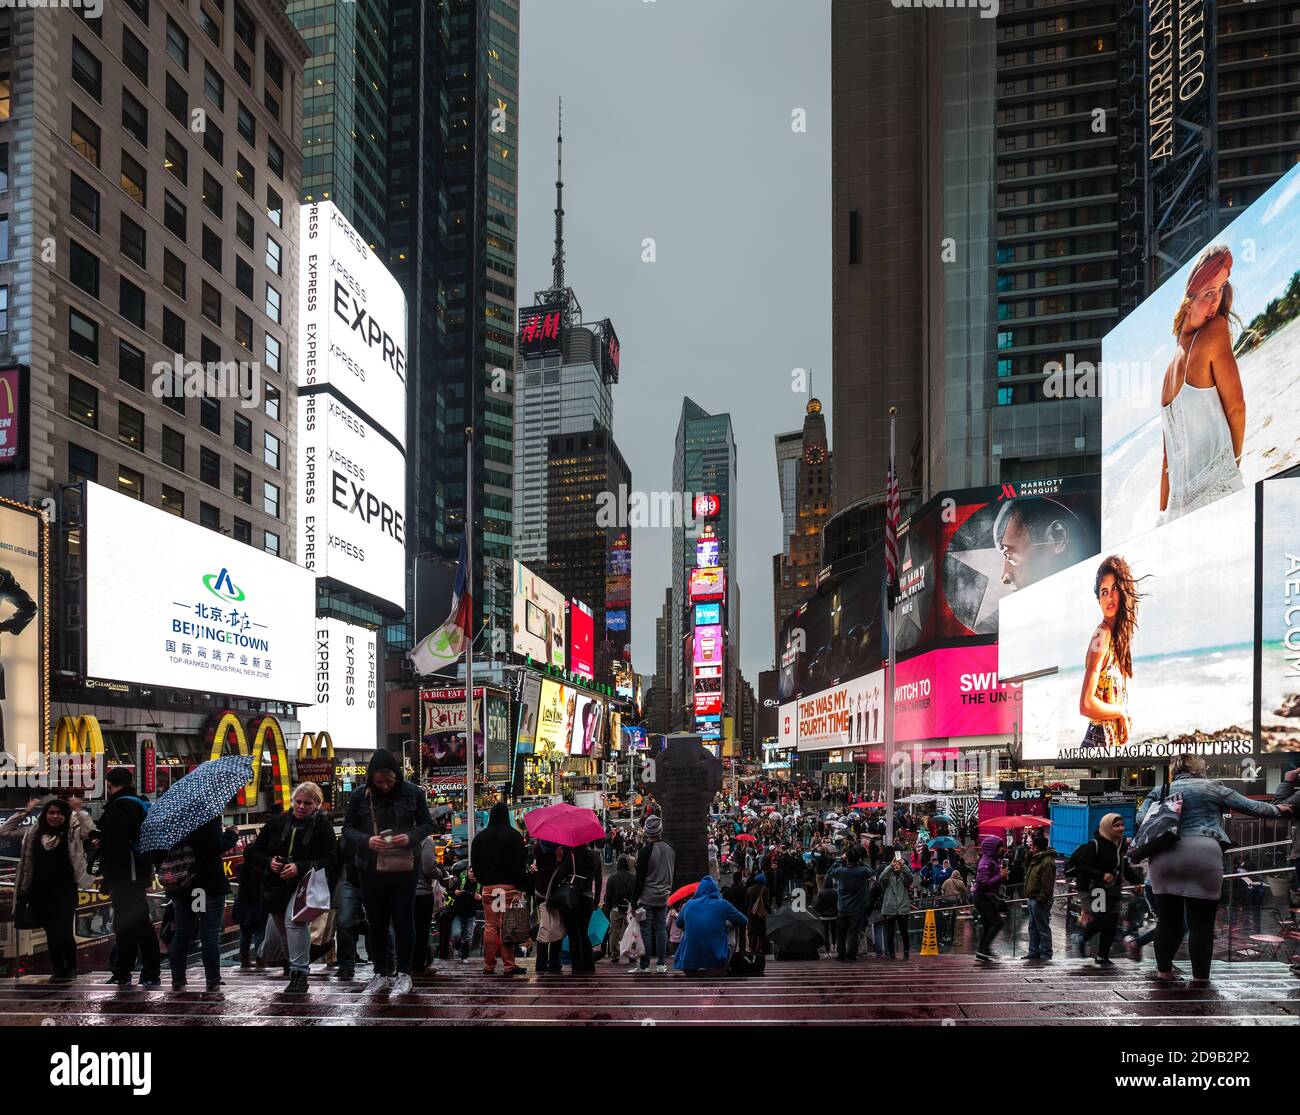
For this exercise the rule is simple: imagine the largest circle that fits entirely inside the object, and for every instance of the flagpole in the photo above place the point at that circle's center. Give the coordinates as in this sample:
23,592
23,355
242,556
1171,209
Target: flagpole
469,643
889,669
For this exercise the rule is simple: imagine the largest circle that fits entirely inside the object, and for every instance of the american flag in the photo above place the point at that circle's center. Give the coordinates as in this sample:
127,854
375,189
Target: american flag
891,527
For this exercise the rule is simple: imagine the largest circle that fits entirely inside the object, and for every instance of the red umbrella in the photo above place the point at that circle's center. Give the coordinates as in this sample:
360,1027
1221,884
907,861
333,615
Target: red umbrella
564,824
682,892
868,805
1021,822
747,838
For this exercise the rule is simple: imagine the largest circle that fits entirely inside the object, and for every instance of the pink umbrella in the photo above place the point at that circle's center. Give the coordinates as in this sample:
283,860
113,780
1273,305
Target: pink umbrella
564,824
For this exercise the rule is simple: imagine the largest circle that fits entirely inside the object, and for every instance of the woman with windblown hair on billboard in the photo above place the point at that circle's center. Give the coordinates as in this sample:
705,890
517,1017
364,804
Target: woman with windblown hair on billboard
1202,407
1109,663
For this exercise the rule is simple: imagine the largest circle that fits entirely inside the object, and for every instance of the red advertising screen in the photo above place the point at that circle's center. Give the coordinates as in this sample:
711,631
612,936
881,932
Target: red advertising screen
708,703
581,637
11,431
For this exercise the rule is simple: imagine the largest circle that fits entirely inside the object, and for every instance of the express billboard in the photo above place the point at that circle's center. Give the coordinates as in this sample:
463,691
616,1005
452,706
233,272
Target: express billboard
538,615
346,704
24,620
216,616
1179,671
351,321
351,500
964,551
1200,385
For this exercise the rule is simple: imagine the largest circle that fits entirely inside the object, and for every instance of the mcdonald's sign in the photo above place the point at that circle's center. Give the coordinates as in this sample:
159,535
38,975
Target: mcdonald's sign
317,746
263,731
13,417
78,736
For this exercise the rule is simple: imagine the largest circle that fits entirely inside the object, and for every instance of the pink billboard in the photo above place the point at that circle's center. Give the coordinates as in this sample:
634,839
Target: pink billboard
954,692
708,645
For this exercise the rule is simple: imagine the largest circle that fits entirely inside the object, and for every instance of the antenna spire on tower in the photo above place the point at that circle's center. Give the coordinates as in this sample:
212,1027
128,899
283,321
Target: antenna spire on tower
557,260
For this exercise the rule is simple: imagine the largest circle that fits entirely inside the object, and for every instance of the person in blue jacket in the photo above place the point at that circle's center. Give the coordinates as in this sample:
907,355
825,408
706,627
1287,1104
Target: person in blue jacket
704,920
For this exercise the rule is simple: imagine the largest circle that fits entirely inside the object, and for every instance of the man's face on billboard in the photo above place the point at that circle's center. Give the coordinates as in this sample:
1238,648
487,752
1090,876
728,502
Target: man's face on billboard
1024,561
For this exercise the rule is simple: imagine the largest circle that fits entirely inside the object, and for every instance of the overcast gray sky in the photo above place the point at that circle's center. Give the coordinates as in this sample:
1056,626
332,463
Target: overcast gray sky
678,127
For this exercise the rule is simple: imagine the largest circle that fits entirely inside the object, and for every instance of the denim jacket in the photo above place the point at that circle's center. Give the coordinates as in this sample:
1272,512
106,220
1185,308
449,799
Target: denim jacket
1204,804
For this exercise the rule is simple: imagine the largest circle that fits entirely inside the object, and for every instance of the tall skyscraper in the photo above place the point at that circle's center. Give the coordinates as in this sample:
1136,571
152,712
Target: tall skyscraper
789,448
795,568
704,463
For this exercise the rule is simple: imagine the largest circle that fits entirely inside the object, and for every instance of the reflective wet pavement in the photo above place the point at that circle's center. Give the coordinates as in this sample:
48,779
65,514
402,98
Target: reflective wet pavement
946,990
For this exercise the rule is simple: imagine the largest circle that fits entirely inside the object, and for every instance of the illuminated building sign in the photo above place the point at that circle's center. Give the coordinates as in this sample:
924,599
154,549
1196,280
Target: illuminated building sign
707,550
708,584
540,331
609,351
707,614
707,704
707,506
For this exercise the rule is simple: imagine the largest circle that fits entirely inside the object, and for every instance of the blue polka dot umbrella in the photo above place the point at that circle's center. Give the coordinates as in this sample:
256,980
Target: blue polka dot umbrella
201,795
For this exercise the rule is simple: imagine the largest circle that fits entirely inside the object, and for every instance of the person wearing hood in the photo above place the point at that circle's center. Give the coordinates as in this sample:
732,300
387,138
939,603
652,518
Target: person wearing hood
851,880
617,905
656,865
127,877
51,869
1040,891
500,860
989,877
896,904
703,921
758,901
1101,867
387,819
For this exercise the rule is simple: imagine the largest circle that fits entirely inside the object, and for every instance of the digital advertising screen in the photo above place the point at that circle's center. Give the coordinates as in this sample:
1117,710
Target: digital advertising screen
217,616
708,646
351,500
615,731
708,615
24,614
616,619
708,584
442,741
708,550
618,572
834,636
584,731
351,320
964,551
347,671
848,715
708,704
634,737
954,692
541,331
538,619
13,416
582,635
1205,371
1182,665
554,717
530,693
1279,672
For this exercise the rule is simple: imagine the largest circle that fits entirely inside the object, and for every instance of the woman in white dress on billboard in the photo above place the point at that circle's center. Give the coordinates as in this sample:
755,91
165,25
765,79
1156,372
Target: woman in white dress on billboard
1202,408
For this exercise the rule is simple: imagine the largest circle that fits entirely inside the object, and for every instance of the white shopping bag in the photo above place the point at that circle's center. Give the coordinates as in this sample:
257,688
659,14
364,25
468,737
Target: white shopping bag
311,899
631,947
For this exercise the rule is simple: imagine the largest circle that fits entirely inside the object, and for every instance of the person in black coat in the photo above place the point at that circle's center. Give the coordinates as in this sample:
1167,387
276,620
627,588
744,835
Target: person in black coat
199,905
386,822
579,867
126,880
1102,867
500,861
287,850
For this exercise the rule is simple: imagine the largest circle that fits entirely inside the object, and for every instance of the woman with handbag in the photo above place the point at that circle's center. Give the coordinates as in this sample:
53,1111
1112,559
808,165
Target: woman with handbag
575,886
1186,874
288,849
550,926
51,869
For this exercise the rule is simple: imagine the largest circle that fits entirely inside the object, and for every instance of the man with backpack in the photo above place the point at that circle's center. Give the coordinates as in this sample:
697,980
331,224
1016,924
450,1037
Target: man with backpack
127,876
851,880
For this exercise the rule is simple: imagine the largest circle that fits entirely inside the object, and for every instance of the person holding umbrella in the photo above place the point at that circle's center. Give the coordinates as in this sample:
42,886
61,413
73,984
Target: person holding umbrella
578,871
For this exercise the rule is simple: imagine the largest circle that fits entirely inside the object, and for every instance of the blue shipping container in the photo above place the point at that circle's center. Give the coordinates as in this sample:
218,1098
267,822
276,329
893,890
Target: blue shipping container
1073,823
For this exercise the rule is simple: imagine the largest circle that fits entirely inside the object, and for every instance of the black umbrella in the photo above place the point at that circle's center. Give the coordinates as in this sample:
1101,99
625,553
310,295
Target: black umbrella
795,933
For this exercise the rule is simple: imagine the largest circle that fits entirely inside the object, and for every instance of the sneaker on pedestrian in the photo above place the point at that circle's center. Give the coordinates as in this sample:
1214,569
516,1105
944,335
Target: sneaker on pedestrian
124,981
661,969
401,984
638,970
150,983
515,971
297,984
1103,961
378,985
345,975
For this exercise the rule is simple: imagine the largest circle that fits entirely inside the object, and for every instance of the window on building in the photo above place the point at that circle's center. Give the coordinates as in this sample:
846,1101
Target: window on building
274,158
141,9
209,467
83,336
243,531
214,86
174,331
178,101
210,24
135,118
270,499
209,351
272,303
172,500
211,305
244,67
87,70
274,208
209,516
129,482
4,167
4,310
130,427
133,180
273,256
272,103
176,159
173,449
85,203
213,195
214,141
6,95
83,268
272,66
271,543
130,302
244,174
270,449
135,55
210,414
244,277
178,45
173,274
244,225
243,329
243,433
130,365
243,486
272,353
246,124
211,249
85,136
271,402
82,464
83,402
